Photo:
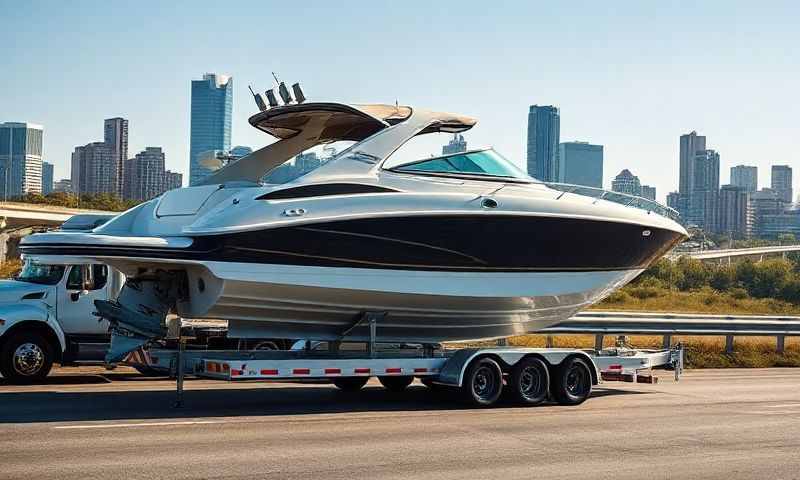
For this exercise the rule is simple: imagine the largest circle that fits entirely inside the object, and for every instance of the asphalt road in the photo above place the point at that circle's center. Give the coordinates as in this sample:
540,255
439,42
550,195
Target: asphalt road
712,424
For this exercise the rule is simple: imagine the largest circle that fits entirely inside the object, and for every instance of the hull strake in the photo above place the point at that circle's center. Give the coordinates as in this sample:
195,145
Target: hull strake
500,243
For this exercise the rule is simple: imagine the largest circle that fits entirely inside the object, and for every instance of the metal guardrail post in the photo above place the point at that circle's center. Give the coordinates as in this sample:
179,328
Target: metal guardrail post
598,342
728,343
502,342
548,341
667,341
780,343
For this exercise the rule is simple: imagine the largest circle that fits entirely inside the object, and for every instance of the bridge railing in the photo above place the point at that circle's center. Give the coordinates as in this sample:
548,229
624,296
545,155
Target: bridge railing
668,325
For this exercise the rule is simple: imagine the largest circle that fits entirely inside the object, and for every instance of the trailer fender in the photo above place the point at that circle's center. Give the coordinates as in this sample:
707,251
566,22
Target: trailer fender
24,315
453,371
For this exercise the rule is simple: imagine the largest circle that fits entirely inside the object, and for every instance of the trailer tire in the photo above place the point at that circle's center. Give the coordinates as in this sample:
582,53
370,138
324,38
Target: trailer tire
396,384
350,384
483,383
26,358
530,380
572,382
150,371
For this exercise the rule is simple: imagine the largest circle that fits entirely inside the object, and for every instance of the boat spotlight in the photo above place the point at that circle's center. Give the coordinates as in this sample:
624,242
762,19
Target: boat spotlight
284,92
273,102
298,93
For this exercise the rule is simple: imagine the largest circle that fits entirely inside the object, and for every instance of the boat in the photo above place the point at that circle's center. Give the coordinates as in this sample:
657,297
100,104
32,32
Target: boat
447,248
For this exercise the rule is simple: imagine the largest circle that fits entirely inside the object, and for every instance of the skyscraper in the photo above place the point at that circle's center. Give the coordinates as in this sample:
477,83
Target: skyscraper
544,125
580,163
94,168
20,159
704,196
673,200
47,178
734,217
212,108
690,144
148,178
782,182
456,145
628,183
115,135
649,192
746,177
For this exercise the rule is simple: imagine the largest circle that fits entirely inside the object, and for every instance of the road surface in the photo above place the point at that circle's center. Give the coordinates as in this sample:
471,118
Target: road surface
92,424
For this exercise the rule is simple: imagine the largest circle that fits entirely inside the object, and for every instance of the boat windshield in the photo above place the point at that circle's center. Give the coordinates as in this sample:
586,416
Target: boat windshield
486,163
40,273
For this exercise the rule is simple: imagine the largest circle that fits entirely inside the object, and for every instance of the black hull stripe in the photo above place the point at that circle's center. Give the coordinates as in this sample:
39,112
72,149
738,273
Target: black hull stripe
444,243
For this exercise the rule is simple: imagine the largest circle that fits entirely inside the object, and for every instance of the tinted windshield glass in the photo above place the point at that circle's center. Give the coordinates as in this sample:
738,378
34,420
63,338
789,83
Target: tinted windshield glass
485,162
39,273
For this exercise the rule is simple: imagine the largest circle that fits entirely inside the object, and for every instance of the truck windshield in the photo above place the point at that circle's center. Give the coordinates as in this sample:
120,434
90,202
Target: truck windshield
40,273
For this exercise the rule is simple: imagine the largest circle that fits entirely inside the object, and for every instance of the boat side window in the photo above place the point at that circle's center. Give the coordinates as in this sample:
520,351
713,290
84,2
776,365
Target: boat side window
87,277
323,190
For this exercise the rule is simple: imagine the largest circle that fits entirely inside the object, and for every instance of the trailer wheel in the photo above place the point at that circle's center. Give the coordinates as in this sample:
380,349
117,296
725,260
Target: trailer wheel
26,358
530,380
572,382
483,382
350,384
396,384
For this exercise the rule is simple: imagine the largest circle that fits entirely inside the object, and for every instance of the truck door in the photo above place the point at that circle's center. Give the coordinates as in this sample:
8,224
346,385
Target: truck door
83,285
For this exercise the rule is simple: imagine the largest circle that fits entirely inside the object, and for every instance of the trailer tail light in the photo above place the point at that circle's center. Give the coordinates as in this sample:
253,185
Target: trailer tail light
361,370
333,371
420,370
301,371
269,371
394,370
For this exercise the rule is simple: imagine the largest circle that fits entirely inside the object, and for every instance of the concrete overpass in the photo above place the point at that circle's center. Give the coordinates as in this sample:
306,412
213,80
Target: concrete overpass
20,219
757,253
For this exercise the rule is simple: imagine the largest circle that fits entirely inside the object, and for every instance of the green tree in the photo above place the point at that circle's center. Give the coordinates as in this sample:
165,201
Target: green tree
723,278
695,274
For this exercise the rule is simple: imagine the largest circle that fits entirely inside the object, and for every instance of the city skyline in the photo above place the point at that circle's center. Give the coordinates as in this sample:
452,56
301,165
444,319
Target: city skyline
742,74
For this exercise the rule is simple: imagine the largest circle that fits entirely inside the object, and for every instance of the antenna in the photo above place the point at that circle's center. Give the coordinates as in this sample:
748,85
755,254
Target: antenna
259,99
284,93
273,102
298,93
275,77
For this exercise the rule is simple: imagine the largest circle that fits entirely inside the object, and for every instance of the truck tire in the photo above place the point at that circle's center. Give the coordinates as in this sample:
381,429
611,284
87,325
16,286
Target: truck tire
396,384
350,384
530,381
572,382
483,383
26,358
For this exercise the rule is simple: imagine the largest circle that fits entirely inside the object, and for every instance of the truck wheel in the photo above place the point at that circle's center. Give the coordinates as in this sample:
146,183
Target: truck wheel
530,380
351,384
483,383
572,382
396,384
25,358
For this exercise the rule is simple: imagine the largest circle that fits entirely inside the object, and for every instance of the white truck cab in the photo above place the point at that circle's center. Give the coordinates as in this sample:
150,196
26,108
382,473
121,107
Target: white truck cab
46,317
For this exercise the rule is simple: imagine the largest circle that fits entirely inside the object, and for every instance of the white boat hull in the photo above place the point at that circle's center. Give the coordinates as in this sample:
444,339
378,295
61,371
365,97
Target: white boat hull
323,303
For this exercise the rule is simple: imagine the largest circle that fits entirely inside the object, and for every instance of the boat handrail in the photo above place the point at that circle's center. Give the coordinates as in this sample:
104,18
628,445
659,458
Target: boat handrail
617,197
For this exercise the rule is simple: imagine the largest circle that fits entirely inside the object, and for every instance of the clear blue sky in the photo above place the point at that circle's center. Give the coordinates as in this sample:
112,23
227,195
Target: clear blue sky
632,75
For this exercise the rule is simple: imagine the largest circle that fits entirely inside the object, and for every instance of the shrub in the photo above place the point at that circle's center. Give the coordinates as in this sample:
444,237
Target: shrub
738,293
618,296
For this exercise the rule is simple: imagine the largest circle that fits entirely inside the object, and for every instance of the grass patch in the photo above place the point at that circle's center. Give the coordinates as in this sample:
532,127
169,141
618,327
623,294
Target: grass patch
703,300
